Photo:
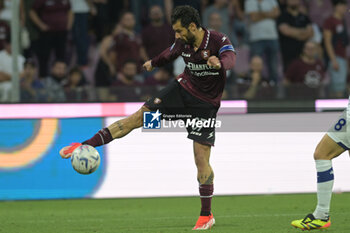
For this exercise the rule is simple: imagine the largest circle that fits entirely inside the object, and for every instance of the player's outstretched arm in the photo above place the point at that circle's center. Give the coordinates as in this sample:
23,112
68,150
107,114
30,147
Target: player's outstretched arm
167,56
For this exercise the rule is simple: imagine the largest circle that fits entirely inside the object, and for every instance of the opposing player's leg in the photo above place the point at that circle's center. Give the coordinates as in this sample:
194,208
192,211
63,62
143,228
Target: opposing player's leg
325,151
116,130
205,176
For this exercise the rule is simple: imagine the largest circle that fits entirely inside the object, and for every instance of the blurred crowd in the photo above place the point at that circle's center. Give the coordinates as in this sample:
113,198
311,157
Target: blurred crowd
93,50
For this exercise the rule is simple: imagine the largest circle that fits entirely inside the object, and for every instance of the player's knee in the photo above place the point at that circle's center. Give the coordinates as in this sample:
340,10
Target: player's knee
201,155
138,116
317,155
201,160
321,155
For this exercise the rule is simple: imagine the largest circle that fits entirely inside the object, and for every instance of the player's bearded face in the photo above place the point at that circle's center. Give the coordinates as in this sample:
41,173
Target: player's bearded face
190,38
183,34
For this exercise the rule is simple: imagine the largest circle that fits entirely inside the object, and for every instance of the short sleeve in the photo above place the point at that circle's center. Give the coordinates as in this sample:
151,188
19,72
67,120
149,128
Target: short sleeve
328,24
251,6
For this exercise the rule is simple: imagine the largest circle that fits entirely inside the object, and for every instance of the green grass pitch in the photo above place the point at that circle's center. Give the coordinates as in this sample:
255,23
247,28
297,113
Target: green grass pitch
233,214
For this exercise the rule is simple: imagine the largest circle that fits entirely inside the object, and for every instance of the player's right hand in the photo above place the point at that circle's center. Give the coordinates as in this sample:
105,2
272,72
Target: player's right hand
148,65
214,62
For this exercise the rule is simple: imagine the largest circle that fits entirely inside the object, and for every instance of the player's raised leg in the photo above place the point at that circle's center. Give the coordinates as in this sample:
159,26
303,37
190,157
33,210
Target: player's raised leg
205,176
325,151
116,130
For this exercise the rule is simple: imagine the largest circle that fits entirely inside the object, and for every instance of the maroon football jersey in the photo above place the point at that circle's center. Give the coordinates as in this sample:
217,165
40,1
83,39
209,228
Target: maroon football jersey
302,72
127,47
198,78
54,13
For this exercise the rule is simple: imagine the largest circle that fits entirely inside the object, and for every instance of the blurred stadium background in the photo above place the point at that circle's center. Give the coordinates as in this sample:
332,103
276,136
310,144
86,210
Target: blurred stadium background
69,68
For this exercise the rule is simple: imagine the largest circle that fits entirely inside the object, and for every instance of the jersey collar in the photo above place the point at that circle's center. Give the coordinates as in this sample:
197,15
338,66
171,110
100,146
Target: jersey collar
205,40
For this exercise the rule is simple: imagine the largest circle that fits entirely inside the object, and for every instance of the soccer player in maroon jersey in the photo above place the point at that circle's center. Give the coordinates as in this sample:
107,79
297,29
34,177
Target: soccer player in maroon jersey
196,92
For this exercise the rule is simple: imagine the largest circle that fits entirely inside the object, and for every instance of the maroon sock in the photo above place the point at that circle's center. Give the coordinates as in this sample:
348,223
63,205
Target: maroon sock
102,137
206,193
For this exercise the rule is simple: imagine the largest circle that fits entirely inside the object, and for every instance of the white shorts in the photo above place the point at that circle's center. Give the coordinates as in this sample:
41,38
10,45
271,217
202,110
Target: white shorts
340,130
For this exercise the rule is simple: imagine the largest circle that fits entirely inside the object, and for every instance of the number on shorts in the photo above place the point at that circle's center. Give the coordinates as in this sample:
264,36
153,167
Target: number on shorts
340,124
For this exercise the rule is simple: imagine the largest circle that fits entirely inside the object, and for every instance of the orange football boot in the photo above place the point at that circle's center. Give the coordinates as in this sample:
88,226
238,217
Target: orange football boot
204,222
66,152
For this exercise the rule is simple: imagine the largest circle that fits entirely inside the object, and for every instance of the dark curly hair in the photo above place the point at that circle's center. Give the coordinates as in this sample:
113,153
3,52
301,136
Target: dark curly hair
187,15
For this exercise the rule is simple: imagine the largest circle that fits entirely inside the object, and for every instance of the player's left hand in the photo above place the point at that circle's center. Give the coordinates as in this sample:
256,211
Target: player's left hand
214,62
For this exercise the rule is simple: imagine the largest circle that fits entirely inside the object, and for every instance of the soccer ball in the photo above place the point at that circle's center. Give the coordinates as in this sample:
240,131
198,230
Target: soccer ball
85,159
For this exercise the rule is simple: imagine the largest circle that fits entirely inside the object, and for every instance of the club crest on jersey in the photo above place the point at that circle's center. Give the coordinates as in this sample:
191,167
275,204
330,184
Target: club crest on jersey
205,54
